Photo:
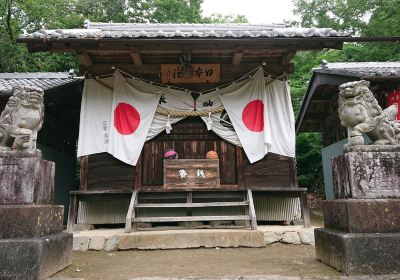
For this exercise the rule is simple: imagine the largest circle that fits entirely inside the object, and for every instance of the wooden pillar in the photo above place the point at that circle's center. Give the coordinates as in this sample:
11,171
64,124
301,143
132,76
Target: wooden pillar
305,214
72,212
84,173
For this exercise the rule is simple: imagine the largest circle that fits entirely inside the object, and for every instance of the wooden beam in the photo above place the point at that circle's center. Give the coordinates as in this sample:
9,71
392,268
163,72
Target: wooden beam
84,59
152,71
136,58
237,57
320,101
131,212
110,50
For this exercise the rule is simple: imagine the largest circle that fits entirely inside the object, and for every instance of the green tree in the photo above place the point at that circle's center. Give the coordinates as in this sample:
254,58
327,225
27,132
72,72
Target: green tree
18,16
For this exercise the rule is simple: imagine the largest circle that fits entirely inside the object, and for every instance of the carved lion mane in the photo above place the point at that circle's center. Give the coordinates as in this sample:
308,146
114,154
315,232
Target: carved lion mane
22,118
360,112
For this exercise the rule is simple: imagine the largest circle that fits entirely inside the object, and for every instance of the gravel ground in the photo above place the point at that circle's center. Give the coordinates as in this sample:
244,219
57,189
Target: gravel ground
279,259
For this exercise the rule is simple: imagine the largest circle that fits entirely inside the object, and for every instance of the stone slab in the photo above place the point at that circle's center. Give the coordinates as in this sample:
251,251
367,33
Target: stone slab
34,258
362,215
191,239
359,253
366,175
29,221
26,180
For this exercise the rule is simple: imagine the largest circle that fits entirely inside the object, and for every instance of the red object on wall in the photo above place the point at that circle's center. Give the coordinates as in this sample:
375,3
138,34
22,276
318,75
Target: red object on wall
394,98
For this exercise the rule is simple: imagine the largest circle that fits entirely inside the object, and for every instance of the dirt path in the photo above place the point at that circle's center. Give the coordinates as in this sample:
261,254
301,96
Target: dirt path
285,260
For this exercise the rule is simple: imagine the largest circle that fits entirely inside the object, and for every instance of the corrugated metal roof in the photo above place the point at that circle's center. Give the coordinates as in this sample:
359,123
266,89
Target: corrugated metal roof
361,69
43,80
98,30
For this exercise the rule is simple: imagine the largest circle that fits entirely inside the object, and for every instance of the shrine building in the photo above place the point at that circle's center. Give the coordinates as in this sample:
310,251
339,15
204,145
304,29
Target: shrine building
158,91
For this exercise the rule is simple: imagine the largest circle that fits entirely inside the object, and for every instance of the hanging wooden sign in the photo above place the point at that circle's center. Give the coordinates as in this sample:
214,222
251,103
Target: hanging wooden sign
198,73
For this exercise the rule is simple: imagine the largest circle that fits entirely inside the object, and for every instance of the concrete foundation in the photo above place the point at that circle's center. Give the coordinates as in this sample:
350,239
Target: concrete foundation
192,239
34,258
359,253
117,239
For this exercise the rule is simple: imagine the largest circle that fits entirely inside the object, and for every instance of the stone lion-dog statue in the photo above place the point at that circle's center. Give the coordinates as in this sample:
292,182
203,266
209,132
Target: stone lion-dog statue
360,113
21,119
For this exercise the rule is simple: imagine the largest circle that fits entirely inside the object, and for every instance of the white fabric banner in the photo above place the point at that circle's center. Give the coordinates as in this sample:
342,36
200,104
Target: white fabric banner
245,107
132,113
280,117
95,118
172,100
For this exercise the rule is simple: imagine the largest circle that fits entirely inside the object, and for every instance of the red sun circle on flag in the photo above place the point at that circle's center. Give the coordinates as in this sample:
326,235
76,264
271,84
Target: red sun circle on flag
253,115
126,118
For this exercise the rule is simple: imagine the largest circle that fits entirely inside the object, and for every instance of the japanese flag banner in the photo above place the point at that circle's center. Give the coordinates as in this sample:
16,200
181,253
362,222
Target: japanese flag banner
95,118
131,116
170,100
259,114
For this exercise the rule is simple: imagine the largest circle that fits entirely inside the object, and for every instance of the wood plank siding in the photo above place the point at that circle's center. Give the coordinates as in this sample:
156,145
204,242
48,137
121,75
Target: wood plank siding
191,140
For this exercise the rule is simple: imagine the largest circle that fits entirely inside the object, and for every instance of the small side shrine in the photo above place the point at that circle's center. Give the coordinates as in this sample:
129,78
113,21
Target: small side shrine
158,98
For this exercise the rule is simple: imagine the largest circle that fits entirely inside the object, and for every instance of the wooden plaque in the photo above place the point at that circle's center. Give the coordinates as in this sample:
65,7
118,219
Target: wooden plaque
191,174
202,73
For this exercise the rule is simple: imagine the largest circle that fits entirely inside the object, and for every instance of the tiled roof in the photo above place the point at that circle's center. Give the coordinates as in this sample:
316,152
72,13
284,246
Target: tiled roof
42,80
361,69
96,30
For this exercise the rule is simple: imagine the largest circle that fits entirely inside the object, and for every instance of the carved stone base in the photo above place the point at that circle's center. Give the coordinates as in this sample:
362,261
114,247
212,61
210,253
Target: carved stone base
30,221
25,178
366,175
358,253
34,258
362,215
371,148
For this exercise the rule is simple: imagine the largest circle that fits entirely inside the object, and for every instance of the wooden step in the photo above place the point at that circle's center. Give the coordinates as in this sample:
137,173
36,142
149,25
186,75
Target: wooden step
165,196
190,219
192,205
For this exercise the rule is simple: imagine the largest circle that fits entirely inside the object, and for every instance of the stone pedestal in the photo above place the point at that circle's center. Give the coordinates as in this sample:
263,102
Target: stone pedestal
362,225
367,175
32,244
25,178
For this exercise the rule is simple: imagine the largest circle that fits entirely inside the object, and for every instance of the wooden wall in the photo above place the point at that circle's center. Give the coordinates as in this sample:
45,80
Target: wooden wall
106,172
272,171
191,140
